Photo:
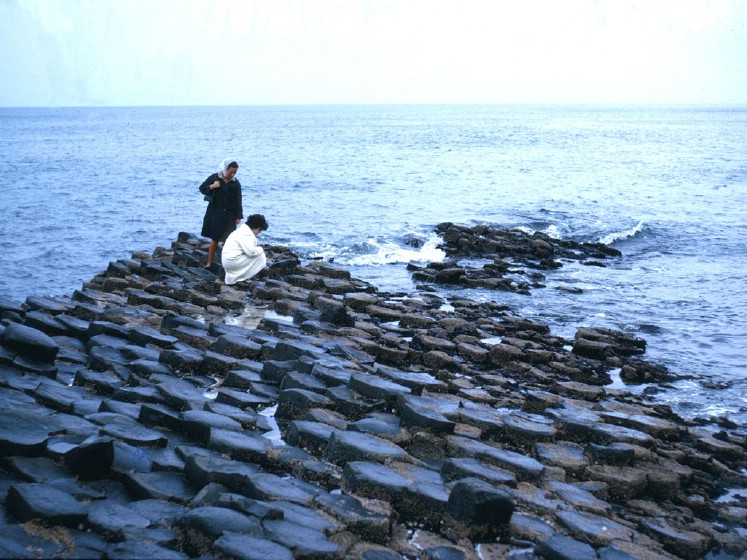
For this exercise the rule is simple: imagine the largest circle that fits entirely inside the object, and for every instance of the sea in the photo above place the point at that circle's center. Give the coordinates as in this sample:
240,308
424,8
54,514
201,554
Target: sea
365,185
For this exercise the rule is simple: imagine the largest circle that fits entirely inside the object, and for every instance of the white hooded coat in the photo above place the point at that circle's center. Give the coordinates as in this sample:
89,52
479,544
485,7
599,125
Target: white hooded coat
242,258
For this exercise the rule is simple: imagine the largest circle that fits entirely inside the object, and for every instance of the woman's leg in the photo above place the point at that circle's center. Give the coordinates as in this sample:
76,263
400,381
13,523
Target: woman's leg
211,252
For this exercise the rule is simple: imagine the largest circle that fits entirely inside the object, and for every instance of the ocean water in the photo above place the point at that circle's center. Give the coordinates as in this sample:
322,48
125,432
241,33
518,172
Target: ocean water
365,186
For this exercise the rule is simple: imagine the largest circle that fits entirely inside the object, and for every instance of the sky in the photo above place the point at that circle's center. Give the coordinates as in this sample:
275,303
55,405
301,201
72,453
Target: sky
260,52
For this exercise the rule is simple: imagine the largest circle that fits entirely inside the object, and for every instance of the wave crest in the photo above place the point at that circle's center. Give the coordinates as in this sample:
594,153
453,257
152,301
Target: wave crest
610,238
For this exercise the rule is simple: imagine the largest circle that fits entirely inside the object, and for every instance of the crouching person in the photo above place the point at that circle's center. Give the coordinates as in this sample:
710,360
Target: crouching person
242,258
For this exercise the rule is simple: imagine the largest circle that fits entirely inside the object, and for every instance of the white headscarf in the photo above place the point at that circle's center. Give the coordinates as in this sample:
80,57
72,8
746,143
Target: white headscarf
223,167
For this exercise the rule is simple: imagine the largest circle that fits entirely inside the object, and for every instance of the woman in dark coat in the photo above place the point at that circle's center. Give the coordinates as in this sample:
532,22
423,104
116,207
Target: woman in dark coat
224,212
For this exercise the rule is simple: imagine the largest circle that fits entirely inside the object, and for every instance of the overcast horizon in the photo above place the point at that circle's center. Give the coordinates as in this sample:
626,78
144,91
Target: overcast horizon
91,53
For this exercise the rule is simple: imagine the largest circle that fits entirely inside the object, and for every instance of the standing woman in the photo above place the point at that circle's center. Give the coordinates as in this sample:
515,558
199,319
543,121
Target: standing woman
224,212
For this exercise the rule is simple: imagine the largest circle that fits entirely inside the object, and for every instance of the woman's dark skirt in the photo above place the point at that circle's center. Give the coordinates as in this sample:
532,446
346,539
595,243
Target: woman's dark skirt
217,224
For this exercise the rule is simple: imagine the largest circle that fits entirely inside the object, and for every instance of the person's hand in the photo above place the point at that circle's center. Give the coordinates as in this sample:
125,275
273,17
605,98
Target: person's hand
215,185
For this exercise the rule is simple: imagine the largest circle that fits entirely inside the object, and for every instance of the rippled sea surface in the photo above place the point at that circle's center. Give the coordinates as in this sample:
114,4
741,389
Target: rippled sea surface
365,185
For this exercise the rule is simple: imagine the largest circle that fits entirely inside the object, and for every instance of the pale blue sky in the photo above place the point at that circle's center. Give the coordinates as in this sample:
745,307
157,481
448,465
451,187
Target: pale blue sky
216,52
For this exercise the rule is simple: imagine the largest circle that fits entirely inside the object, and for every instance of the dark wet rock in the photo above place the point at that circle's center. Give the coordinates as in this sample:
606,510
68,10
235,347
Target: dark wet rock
525,467
92,459
129,550
34,469
266,486
597,530
295,403
566,455
204,469
313,436
624,482
22,433
687,544
348,446
478,510
130,431
243,547
159,486
600,343
426,412
562,547
128,458
199,423
202,526
182,360
303,542
356,415
29,342
372,522
374,387
237,445
373,480
457,468
111,518
26,501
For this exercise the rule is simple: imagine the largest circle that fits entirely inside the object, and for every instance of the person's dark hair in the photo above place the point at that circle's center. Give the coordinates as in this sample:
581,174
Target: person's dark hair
257,221
233,164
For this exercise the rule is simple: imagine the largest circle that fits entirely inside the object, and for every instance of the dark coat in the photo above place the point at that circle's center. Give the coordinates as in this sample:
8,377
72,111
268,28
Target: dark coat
224,208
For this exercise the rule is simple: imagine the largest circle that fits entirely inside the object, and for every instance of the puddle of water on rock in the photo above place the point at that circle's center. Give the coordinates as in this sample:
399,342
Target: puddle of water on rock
620,385
492,340
732,495
249,317
446,307
212,391
274,434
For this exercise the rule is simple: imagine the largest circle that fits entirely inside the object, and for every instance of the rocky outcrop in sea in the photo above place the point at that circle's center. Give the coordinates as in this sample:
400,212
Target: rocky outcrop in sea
159,413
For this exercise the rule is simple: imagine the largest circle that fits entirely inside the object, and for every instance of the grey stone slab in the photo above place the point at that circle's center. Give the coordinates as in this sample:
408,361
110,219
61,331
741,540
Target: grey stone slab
566,455
577,497
247,418
426,412
201,526
295,403
23,433
525,467
373,480
266,486
304,542
352,446
417,381
241,399
29,342
371,523
203,469
92,459
182,360
312,436
34,469
147,335
479,509
26,501
199,423
107,517
132,550
455,468
130,431
377,388
237,347
169,486
238,445
597,530
243,547
158,512
562,547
